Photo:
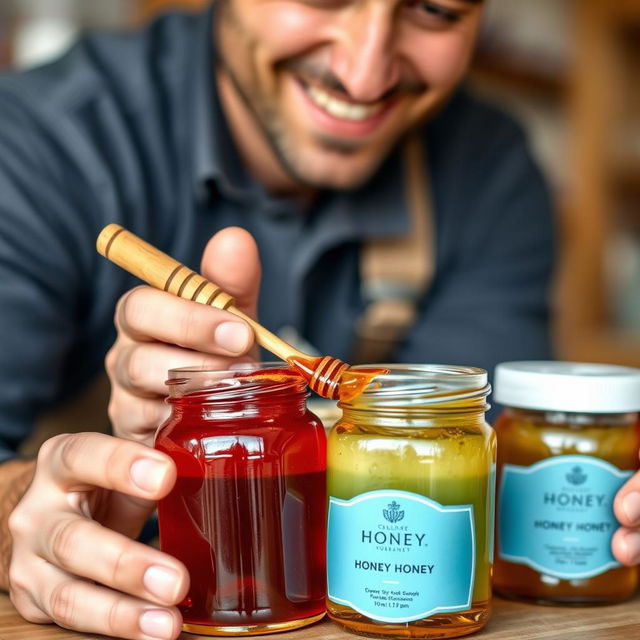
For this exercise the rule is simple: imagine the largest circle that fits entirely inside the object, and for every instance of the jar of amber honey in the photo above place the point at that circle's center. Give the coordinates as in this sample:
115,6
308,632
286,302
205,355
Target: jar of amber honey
567,441
247,513
410,476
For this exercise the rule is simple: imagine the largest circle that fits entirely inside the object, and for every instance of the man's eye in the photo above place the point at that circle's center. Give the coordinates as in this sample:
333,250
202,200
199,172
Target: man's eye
432,13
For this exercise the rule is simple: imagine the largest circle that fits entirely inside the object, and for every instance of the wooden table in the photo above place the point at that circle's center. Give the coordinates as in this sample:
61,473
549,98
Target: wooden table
511,621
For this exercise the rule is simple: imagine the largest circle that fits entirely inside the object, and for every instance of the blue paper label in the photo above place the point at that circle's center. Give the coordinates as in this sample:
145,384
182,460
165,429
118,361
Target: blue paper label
396,556
556,516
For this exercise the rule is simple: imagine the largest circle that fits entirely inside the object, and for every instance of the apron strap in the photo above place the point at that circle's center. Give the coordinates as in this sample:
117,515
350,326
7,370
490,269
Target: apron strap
395,272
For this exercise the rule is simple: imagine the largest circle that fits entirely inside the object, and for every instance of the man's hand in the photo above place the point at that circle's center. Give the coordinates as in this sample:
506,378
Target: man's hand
626,540
158,331
74,559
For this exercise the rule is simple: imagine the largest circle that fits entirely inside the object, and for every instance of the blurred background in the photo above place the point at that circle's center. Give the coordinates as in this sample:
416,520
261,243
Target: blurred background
569,69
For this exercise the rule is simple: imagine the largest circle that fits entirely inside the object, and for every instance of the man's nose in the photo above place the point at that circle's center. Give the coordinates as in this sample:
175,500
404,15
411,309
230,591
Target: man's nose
363,55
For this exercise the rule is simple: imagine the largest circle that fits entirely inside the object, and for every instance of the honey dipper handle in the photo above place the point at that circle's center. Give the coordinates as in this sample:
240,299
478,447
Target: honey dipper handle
157,268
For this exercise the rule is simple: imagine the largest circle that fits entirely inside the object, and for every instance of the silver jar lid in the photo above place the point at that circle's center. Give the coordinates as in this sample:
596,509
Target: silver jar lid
575,387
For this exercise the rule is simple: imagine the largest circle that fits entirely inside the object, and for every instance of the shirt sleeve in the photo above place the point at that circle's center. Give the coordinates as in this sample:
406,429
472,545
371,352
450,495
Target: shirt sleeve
41,269
489,301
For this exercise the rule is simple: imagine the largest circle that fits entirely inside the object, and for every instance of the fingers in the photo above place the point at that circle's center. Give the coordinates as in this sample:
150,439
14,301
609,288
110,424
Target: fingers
94,609
627,503
231,260
626,546
147,314
70,542
77,604
136,418
138,372
158,332
82,461
626,541
137,365
60,546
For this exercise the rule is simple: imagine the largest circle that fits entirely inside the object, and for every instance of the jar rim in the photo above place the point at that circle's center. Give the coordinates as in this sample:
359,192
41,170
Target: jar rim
234,368
423,386
240,380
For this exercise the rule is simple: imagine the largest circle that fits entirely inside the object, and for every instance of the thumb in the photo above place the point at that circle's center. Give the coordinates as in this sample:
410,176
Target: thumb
231,261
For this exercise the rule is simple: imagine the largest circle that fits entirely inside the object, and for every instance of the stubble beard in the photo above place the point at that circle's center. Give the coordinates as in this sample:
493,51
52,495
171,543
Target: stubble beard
270,121
269,124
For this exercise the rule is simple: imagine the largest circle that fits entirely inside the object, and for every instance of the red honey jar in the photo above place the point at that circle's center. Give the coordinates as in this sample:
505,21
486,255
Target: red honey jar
247,513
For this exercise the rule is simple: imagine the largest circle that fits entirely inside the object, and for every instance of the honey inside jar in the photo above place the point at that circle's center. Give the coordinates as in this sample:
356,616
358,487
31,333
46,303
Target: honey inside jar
410,484
559,469
247,513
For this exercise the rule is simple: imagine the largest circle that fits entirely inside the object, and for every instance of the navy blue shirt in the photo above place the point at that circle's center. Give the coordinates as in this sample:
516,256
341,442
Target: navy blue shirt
127,128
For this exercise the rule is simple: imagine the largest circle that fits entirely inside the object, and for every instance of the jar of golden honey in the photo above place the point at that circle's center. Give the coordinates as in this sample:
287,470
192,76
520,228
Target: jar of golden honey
247,513
410,478
567,441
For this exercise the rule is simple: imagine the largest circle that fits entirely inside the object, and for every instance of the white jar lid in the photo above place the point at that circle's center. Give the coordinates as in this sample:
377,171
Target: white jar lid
575,387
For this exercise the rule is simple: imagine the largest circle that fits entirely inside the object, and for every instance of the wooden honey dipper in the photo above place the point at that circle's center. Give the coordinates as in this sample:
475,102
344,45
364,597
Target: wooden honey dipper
327,376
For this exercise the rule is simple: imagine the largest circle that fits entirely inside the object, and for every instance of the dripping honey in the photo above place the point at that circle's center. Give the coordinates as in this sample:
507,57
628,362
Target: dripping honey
350,383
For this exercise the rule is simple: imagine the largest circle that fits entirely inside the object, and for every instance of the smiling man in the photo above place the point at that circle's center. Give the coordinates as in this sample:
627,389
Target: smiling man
306,123
330,87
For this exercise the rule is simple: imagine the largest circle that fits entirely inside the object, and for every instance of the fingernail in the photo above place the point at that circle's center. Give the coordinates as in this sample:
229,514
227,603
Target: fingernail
632,542
147,474
631,506
157,624
233,336
162,582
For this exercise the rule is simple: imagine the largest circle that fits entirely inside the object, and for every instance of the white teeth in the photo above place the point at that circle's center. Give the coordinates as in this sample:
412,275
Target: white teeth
340,109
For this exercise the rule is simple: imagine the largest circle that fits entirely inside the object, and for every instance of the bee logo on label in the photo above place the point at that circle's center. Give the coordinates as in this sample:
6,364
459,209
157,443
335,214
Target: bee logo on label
393,513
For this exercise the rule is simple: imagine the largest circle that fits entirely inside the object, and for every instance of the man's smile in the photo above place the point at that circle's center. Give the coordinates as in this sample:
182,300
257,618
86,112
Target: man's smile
336,115
346,110
320,93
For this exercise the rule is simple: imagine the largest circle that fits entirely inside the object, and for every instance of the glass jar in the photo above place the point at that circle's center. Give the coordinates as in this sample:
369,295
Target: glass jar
410,476
567,441
247,513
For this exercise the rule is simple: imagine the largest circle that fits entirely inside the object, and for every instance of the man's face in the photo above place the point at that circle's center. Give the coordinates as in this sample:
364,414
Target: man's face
331,85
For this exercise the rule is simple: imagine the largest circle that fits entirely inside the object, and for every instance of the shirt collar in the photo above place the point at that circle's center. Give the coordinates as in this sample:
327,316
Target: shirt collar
211,141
